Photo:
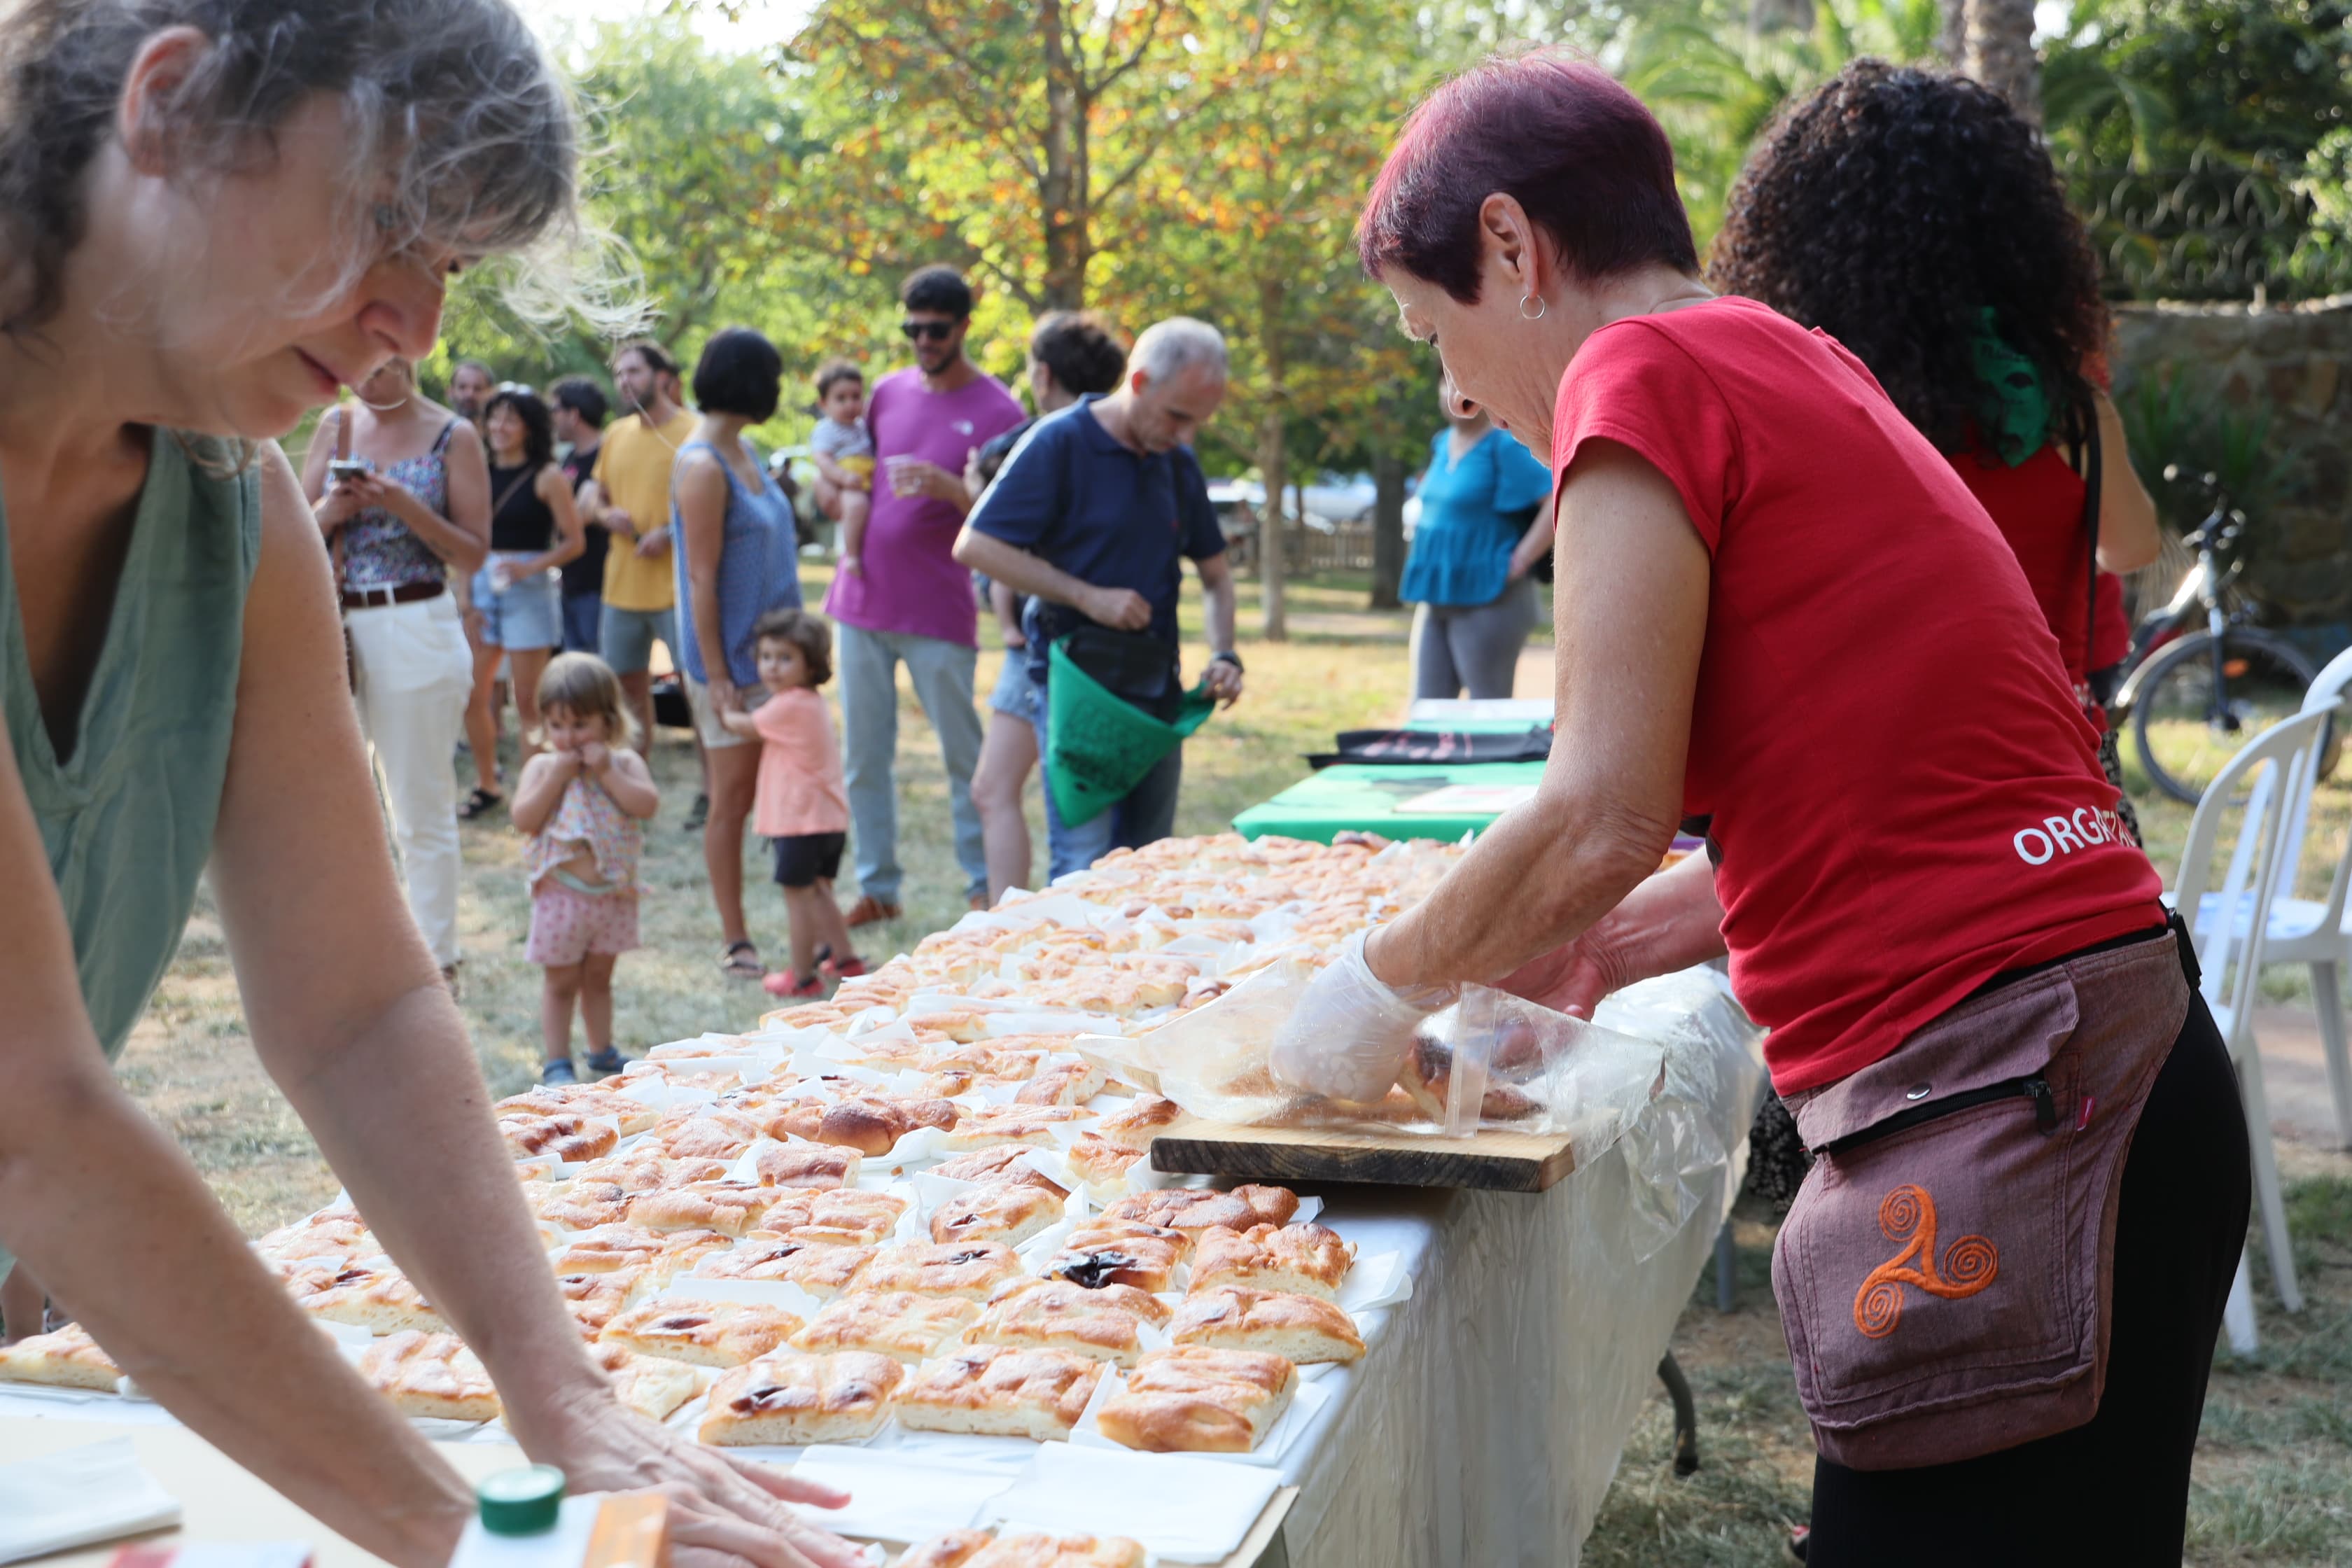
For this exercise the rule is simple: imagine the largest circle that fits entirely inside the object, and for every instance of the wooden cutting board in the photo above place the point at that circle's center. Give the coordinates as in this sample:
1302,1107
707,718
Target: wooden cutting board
1492,1161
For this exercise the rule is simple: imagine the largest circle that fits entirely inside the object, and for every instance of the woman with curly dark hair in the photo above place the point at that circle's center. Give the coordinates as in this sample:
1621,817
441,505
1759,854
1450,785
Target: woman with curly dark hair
1917,219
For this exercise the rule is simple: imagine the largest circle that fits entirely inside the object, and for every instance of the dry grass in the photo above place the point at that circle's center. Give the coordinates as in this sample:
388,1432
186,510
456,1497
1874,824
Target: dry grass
2274,1472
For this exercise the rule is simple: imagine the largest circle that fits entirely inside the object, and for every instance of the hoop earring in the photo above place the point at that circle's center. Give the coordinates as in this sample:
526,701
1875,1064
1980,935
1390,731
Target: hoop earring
1542,305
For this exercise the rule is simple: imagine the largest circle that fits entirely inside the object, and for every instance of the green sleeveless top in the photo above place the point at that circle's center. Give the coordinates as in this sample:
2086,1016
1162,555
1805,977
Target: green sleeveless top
128,817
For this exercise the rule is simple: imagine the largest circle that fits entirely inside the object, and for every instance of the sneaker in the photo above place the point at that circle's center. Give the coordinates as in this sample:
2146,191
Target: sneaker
559,1072
784,983
605,1062
697,816
868,909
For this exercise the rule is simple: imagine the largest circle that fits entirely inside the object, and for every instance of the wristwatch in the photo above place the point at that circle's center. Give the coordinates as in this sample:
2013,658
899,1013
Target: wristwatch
1227,656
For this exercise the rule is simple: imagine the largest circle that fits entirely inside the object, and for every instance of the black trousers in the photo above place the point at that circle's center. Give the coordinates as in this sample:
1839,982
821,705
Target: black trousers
2114,1492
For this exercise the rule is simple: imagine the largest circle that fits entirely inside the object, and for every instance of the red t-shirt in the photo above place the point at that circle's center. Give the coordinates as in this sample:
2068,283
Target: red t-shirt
2038,507
1905,797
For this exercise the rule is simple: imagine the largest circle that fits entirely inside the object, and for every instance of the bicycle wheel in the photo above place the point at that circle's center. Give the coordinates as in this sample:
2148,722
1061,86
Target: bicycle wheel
2184,729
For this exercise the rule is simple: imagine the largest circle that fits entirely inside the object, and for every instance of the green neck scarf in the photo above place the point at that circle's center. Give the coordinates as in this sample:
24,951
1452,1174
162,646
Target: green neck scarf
2013,414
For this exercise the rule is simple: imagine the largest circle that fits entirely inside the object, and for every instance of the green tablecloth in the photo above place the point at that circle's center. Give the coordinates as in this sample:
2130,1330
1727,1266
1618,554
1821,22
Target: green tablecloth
1352,795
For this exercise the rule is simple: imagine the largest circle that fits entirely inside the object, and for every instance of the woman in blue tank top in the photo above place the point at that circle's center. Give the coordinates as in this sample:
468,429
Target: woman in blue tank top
737,557
215,214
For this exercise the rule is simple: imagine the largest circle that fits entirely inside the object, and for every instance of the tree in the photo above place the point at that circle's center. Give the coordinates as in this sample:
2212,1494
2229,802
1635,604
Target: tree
1997,50
689,148
1019,127
1262,203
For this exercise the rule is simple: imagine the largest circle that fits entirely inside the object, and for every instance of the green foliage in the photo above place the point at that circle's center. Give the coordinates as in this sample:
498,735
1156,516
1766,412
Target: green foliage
2208,141
692,151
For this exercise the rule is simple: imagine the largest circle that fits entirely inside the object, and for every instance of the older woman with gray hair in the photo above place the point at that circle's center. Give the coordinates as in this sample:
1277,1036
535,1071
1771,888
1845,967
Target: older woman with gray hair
216,214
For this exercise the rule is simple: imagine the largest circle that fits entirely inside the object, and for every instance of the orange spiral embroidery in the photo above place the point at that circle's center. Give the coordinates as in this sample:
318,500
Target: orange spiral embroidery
1970,1264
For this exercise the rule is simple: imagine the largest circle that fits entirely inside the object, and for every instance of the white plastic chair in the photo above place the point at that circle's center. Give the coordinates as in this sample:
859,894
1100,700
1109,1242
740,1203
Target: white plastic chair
2314,931
2272,775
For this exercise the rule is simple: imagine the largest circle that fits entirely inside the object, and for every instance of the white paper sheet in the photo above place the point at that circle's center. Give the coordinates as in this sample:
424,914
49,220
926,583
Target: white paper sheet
901,1494
78,1496
1182,1509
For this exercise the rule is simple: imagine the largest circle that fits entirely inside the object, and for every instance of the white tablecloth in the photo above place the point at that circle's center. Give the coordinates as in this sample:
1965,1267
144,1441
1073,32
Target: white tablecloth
1485,1430
1484,1427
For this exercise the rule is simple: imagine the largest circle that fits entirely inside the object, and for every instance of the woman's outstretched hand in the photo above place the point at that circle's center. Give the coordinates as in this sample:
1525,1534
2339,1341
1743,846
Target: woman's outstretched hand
724,1511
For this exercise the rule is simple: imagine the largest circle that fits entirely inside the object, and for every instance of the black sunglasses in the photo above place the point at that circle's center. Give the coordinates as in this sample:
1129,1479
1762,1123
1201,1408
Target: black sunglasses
937,332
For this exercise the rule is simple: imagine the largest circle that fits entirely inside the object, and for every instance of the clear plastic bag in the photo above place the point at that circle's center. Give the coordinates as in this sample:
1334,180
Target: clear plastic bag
1490,1062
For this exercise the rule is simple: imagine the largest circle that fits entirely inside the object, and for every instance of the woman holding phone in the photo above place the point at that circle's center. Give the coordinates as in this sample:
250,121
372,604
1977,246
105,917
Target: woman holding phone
403,496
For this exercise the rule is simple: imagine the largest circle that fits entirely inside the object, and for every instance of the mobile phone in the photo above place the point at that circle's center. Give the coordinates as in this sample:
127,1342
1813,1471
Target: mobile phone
342,468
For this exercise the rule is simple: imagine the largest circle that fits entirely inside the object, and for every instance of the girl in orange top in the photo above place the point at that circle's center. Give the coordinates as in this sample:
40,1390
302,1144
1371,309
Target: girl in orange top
800,803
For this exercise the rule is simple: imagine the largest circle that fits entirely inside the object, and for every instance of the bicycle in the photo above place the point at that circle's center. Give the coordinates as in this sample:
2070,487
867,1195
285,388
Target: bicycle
2192,696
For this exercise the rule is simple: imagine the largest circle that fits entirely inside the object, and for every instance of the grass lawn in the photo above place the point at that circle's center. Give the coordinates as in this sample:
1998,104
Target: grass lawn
2273,1475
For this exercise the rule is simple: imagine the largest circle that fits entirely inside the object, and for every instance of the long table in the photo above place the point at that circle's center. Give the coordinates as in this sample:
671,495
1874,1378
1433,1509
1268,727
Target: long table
1483,1429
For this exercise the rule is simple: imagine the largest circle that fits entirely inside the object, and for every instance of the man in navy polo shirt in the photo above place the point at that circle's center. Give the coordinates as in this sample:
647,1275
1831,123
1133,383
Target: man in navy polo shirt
1092,516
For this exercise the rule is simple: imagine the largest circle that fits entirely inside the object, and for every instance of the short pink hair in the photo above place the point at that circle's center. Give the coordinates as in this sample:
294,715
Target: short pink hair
1587,162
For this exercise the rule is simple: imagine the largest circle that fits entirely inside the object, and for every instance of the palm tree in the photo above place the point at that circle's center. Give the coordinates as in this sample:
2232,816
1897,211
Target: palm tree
1997,49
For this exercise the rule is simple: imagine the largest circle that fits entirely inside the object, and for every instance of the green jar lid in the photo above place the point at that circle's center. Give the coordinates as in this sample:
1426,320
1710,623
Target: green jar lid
520,1501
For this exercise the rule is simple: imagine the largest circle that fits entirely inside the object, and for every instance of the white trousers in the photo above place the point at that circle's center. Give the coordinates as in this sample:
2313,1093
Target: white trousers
413,672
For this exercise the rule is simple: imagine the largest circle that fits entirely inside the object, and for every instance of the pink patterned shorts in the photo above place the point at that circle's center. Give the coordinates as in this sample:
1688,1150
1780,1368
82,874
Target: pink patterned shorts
568,925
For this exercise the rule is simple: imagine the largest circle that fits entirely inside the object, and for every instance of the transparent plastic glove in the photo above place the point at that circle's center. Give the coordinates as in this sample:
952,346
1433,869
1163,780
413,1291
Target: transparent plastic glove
1351,1031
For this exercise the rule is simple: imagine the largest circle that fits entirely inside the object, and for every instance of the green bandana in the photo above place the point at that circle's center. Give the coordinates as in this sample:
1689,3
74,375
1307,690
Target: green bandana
2014,415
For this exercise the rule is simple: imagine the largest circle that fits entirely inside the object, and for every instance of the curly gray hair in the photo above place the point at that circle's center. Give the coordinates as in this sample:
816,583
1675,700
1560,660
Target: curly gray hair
464,137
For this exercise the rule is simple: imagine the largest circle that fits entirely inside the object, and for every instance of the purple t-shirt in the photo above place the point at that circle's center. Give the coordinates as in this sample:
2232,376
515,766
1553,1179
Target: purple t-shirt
911,582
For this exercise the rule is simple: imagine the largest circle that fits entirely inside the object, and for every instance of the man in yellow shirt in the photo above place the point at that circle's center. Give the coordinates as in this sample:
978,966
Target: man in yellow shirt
628,495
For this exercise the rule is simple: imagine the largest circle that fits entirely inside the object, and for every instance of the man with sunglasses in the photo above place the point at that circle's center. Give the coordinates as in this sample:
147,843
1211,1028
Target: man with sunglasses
912,604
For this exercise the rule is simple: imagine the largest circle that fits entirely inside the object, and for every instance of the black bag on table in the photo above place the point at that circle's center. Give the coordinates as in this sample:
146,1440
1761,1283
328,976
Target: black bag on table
1421,747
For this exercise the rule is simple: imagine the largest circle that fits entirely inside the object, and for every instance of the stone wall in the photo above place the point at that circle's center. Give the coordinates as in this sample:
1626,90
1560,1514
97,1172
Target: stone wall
2288,365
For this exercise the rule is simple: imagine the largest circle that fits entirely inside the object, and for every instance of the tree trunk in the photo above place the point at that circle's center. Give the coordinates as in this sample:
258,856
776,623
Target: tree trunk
1272,565
1952,42
2001,53
1388,529
1062,189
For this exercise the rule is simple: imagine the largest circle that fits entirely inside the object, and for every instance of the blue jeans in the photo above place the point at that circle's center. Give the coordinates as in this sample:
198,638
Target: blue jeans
1145,815
583,617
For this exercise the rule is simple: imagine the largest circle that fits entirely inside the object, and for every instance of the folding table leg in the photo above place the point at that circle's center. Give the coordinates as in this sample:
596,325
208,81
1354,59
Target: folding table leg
1686,1414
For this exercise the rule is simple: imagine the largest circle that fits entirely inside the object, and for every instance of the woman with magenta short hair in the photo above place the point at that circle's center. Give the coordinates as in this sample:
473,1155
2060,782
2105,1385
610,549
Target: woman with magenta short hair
2003,1277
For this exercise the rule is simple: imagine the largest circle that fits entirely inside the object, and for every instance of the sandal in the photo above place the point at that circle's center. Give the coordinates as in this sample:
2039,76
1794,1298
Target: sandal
741,962
783,982
848,968
608,1060
480,802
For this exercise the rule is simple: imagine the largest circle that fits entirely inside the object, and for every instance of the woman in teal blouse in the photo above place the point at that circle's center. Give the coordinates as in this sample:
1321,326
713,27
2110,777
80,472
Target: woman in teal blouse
1483,525
214,213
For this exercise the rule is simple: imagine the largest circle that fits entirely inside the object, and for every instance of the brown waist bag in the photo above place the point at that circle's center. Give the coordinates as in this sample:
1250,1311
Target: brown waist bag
1945,1275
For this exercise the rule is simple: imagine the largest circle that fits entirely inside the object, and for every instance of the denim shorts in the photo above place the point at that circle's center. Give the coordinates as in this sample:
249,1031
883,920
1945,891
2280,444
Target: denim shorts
626,637
1011,697
528,614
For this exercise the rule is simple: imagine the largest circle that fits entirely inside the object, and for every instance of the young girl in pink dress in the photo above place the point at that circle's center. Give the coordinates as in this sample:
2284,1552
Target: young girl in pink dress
801,803
583,802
